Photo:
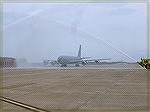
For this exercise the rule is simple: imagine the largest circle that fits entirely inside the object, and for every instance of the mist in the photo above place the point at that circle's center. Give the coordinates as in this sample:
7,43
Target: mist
45,31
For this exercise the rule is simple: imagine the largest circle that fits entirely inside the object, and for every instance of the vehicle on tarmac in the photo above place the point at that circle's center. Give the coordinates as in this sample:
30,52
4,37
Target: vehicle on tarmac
145,63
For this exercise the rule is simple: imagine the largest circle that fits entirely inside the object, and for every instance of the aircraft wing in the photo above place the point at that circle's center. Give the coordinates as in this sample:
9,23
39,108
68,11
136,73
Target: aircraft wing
76,61
85,57
95,60
85,61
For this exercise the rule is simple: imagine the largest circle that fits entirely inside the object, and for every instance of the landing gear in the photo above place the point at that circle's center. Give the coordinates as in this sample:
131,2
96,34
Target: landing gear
64,65
77,65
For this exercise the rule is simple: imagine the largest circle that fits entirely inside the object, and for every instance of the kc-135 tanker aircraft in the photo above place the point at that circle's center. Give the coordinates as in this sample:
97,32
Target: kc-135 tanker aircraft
64,60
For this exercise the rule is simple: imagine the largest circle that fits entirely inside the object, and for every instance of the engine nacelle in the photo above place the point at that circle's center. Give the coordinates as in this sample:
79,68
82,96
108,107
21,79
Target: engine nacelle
84,62
96,61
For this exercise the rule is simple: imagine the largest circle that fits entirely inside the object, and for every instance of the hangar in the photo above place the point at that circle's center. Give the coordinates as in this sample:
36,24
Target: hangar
7,62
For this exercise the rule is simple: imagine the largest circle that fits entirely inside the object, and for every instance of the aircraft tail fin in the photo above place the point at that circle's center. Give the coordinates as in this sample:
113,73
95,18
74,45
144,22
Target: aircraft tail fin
79,52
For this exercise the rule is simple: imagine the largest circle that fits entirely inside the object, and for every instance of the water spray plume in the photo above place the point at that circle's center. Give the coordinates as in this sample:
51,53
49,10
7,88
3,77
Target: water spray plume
23,19
71,26
95,38
117,49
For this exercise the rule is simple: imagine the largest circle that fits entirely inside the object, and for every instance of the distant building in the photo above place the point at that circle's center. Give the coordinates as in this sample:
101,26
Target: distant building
7,62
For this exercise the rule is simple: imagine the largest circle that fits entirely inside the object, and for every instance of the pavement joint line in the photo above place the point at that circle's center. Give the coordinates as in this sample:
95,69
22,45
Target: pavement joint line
23,105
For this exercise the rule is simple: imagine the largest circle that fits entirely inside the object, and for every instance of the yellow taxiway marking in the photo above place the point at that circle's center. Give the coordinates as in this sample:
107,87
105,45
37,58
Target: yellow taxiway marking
26,106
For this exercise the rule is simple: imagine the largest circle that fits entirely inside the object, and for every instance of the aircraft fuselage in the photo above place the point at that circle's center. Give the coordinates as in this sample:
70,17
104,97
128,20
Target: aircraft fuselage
64,60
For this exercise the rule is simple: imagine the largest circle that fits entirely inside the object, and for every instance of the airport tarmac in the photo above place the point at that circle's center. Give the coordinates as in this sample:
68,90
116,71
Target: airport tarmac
90,88
100,66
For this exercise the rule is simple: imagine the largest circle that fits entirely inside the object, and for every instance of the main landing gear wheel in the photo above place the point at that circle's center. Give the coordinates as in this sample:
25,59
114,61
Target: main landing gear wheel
63,65
77,65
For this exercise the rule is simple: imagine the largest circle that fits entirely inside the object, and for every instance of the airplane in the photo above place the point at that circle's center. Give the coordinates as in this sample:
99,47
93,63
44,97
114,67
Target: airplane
64,60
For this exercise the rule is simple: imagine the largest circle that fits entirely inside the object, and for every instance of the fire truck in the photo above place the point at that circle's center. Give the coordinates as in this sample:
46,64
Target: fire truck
145,63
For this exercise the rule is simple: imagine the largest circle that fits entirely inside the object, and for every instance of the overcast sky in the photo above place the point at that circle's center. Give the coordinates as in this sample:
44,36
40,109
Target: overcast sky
45,31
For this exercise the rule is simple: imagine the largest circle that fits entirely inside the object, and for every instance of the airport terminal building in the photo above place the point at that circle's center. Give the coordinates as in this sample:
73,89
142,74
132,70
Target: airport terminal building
7,62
